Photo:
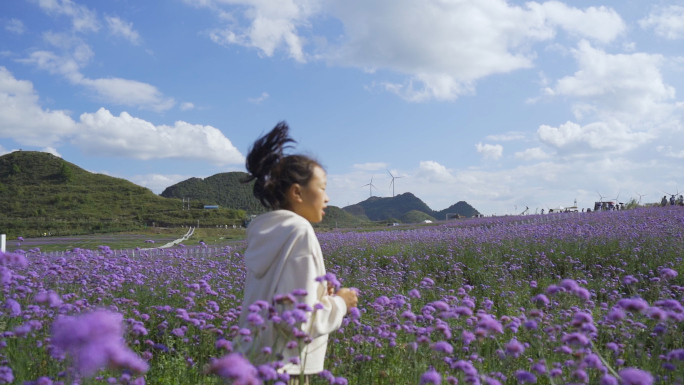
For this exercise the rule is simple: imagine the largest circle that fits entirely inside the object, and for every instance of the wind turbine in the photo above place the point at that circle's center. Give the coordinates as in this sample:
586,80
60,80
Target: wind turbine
601,200
640,195
392,182
370,186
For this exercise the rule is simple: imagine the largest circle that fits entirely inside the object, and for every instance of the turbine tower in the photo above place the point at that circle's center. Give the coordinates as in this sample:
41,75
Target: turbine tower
370,186
392,182
640,196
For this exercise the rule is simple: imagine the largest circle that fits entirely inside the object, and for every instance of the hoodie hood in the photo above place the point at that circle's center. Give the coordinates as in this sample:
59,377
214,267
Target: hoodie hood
267,234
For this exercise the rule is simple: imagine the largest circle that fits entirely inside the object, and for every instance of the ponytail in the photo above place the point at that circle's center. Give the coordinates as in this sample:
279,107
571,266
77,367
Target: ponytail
274,172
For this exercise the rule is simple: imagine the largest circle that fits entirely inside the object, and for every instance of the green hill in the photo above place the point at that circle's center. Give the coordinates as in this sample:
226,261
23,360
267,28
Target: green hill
461,207
226,190
223,189
415,216
41,193
377,208
335,217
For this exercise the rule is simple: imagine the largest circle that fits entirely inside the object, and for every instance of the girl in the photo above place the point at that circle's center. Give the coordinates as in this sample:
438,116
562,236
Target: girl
283,253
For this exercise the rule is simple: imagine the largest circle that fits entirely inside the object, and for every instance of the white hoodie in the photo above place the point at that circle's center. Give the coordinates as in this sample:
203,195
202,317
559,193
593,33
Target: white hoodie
283,254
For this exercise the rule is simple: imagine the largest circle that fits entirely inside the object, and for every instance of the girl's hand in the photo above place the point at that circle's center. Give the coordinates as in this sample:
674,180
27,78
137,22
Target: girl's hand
349,296
331,289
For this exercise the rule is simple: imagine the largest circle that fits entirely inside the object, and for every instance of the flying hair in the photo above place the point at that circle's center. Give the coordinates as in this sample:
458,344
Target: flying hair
273,171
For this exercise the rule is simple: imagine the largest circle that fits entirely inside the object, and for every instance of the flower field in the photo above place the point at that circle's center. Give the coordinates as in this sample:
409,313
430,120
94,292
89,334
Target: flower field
566,298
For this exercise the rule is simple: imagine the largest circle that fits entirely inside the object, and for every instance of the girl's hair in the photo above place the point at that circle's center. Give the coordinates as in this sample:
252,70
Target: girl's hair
275,172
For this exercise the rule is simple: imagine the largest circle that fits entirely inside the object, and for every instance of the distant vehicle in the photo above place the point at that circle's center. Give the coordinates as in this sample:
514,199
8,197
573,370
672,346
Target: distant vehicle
605,205
392,224
426,221
211,207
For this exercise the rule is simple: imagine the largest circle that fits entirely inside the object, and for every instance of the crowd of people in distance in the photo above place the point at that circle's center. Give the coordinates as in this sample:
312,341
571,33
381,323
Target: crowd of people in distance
673,200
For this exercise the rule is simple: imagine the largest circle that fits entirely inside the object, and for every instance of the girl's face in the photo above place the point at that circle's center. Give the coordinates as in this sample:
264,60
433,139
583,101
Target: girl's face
310,200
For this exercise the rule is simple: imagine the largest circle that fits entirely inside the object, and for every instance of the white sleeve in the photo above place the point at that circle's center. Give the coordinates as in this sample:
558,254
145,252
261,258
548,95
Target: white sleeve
300,272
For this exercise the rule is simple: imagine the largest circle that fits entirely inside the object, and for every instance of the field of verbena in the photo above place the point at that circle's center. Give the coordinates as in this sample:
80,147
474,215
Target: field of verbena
565,298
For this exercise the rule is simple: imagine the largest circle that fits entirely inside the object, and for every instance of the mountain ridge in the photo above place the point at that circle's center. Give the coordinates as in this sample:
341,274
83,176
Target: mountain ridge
383,208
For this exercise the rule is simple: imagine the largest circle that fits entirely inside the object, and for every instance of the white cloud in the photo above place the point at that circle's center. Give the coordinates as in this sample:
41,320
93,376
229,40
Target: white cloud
121,28
490,151
370,166
129,93
626,86
622,99
15,26
24,120
506,137
3,151
434,172
186,106
82,19
669,152
258,100
443,47
158,182
535,153
52,150
613,136
667,22
272,25
114,90
602,24
130,137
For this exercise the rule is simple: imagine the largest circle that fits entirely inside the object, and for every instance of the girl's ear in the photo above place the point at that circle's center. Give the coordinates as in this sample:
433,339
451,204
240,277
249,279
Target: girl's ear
294,193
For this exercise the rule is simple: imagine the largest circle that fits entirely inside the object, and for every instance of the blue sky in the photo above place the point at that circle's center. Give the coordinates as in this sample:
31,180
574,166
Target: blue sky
503,104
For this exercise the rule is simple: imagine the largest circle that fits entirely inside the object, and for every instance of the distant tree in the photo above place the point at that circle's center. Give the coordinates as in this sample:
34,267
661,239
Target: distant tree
16,170
65,172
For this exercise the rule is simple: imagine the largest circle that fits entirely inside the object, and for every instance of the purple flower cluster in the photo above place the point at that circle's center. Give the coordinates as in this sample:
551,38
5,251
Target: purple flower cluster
95,340
599,297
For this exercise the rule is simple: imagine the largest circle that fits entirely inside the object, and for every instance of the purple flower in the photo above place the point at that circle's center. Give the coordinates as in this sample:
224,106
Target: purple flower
540,300
414,293
443,346
6,375
524,376
667,273
235,367
224,344
607,379
267,373
255,319
628,280
95,340
632,376
340,381
576,339
17,259
300,293
490,324
331,279
14,307
465,366
633,304
616,314
467,337
514,348
569,285
676,354
431,377
491,381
